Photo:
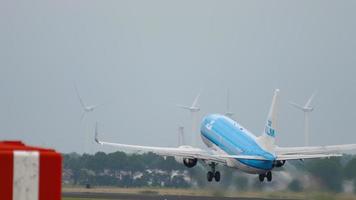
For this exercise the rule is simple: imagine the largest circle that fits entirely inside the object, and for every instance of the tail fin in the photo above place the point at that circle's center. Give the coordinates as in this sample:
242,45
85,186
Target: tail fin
268,137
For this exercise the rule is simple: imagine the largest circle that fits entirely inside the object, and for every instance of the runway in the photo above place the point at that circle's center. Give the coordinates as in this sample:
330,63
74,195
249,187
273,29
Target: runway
123,196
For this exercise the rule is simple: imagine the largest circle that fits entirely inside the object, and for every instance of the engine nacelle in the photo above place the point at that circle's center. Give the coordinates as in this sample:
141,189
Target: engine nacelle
279,163
188,162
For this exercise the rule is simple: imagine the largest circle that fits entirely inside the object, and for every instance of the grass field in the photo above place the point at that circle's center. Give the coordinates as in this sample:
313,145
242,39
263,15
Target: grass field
309,195
80,199
84,199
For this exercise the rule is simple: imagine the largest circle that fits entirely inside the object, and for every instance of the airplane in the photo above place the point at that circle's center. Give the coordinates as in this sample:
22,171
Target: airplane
232,145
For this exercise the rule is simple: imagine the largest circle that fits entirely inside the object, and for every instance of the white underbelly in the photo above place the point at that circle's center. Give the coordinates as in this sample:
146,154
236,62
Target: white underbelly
245,168
233,163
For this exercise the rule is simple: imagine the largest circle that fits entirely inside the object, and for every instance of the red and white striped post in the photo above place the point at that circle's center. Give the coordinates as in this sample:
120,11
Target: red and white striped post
29,173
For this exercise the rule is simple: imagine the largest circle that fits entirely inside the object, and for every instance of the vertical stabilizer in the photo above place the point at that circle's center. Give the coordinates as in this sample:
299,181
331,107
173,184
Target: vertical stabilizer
269,133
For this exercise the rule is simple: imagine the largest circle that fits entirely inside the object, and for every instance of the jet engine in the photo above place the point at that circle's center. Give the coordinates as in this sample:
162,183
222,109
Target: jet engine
188,162
279,163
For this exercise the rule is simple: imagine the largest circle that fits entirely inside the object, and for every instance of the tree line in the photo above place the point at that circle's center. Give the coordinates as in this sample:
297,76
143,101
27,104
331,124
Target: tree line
137,170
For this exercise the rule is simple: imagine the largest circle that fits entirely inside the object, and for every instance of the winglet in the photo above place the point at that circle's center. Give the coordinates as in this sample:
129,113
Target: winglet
96,134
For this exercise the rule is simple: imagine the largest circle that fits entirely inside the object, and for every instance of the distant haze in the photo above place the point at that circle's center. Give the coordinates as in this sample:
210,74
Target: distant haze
142,58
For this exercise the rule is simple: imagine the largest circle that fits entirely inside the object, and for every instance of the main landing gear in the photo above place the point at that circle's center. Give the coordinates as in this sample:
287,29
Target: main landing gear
213,173
268,175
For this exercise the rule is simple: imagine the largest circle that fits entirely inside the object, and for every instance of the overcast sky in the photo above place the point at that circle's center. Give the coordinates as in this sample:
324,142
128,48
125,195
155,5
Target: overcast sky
141,58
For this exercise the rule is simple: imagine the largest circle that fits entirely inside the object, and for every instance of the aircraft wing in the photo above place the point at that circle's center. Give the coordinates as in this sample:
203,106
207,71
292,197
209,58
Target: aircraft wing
331,149
305,156
201,154
296,153
183,151
191,152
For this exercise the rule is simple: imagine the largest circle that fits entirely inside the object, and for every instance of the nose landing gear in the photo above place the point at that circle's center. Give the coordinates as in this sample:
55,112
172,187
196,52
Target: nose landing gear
213,173
268,175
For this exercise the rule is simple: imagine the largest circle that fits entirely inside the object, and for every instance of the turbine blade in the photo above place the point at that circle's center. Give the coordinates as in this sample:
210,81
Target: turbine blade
184,107
101,104
80,98
97,105
310,100
195,102
296,105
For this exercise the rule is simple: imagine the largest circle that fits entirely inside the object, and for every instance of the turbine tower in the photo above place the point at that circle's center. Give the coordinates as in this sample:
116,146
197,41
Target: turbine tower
181,140
193,109
228,112
307,108
86,108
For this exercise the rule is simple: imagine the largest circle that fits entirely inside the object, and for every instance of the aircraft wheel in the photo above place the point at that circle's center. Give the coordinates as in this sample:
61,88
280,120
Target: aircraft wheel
261,177
217,176
269,176
210,176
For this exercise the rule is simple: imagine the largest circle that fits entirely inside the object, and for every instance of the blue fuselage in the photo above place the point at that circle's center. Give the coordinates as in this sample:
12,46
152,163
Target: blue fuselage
226,135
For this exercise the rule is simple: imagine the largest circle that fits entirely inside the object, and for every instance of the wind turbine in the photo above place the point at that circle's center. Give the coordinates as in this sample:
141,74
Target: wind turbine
228,112
307,108
86,108
193,109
